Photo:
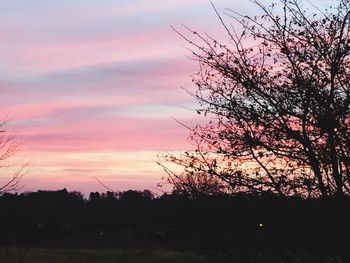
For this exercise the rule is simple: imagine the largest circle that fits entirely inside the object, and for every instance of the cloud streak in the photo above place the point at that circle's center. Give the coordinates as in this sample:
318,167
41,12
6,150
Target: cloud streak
93,86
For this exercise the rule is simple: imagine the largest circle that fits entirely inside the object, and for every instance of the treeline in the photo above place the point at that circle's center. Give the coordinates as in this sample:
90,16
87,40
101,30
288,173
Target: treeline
139,219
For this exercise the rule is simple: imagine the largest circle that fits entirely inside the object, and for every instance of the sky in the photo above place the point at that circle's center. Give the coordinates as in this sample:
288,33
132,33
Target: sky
92,87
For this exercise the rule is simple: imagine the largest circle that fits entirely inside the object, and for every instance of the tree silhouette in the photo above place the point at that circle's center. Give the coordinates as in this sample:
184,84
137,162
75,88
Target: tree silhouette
276,96
8,148
194,184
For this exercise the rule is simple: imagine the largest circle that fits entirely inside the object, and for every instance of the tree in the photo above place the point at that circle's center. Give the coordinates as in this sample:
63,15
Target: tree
276,96
8,148
195,185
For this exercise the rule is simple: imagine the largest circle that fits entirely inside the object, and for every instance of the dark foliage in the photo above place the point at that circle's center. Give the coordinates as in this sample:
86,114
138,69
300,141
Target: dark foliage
138,219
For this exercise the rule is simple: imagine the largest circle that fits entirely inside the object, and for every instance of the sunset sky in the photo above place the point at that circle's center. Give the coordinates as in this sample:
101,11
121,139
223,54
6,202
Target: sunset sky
92,87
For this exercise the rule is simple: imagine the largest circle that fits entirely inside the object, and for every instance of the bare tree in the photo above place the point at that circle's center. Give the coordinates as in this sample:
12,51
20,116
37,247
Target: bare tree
276,96
8,148
194,184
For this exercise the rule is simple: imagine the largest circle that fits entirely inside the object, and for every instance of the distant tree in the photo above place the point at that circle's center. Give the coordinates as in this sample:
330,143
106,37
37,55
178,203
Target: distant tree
276,96
136,196
8,148
195,184
94,196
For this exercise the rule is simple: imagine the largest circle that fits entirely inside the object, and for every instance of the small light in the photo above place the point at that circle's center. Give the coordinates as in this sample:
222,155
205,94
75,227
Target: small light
261,225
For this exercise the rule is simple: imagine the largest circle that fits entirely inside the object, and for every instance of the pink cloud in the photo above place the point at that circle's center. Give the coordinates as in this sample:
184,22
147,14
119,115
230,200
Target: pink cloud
74,98
77,171
123,134
71,54
155,44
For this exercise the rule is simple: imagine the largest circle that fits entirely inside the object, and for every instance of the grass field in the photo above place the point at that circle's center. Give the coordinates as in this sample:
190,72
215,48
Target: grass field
40,255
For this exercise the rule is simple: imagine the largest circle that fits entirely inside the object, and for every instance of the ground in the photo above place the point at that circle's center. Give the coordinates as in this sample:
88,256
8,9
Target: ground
42,255
50,255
